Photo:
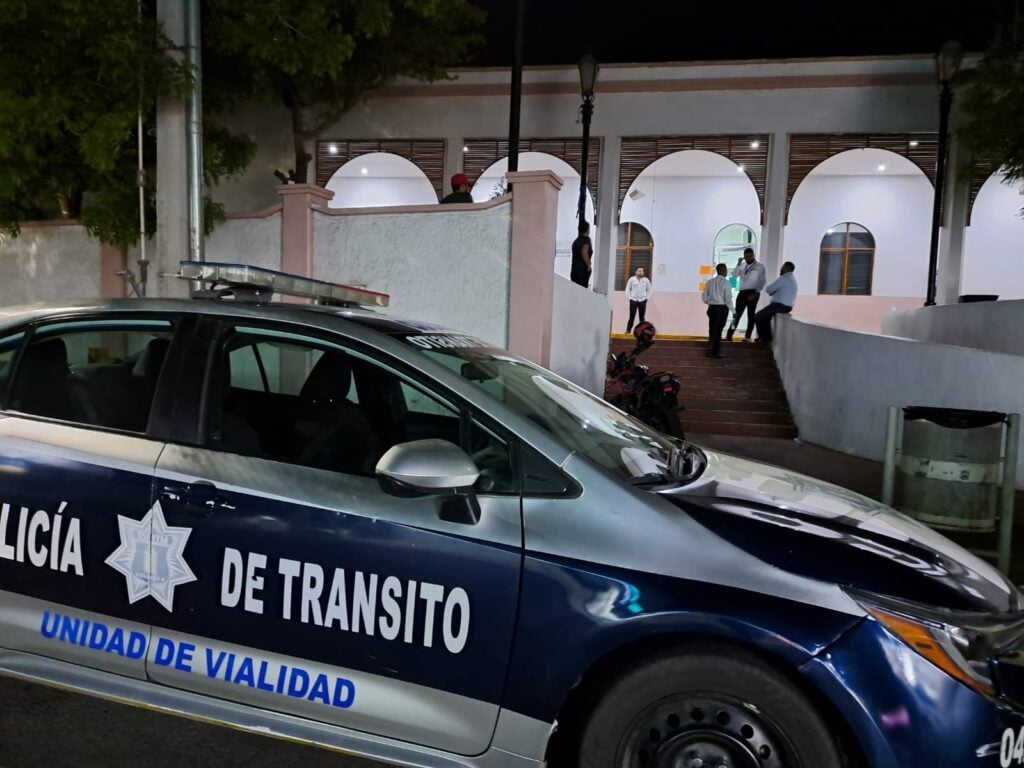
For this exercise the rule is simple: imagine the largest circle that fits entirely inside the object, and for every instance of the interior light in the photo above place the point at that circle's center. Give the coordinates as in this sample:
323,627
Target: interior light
364,170
755,144
881,169
914,143
741,169
333,149
465,148
829,231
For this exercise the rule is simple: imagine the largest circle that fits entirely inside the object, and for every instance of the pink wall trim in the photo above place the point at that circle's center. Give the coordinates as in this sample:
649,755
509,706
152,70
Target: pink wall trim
685,314
112,286
297,202
50,223
532,278
432,208
680,85
266,213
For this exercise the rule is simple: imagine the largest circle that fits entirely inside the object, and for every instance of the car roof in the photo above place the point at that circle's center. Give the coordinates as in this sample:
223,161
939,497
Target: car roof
303,313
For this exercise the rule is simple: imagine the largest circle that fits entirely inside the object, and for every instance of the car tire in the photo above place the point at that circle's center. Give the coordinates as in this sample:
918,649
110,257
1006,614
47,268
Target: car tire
710,706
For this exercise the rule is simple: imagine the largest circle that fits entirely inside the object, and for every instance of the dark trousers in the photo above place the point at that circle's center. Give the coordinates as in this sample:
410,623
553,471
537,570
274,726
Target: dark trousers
718,316
764,319
634,307
744,303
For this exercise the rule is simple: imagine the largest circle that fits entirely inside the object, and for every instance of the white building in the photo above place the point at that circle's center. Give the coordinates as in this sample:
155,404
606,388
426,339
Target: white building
826,163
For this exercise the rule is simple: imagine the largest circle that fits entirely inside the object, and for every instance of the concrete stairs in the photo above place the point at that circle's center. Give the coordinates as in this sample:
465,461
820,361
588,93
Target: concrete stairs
740,394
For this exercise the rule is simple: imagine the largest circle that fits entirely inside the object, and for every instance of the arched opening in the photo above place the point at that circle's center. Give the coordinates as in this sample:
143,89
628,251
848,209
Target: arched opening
635,249
687,200
890,199
846,260
731,241
993,243
493,182
380,179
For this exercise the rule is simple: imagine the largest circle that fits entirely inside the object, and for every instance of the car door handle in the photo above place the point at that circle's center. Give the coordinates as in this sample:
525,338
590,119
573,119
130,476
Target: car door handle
201,498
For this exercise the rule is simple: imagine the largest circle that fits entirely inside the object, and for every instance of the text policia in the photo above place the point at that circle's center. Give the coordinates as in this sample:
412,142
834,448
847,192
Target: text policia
359,602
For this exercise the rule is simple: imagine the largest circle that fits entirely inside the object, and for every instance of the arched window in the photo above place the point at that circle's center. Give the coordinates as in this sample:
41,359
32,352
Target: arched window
847,260
731,241
636,249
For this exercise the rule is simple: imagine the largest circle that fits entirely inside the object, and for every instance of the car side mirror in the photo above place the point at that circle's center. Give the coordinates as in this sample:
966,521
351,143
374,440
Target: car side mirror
432,468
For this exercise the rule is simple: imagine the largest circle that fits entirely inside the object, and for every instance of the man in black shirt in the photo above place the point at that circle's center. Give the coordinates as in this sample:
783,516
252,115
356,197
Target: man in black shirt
460,190
582,256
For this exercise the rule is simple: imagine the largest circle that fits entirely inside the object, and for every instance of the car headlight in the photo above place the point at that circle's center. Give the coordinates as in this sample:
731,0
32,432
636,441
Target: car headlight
961,643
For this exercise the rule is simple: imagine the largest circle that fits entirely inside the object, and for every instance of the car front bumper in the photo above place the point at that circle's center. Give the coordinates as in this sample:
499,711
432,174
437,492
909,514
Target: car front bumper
907,713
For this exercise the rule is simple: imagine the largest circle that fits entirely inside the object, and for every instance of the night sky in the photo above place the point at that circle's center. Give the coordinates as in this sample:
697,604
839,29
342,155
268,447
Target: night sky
560,31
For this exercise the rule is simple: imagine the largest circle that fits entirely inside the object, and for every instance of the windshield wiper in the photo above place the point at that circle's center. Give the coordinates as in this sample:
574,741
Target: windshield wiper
654,478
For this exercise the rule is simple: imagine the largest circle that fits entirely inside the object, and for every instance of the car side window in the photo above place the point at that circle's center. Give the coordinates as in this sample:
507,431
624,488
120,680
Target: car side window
97,373
304,401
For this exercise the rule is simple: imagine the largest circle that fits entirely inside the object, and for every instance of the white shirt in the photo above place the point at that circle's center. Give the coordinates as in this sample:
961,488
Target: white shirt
638,290
718,291
752,276
783,290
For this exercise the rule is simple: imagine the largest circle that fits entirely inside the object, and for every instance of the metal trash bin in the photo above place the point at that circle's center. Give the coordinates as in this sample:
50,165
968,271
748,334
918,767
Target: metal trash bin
954,469
948,475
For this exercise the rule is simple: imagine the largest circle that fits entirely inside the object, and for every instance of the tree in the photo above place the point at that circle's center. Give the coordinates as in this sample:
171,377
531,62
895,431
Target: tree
992,95
73,74
317,58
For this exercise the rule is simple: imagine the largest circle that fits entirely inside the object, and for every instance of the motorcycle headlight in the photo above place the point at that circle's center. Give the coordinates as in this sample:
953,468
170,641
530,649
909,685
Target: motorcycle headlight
960,643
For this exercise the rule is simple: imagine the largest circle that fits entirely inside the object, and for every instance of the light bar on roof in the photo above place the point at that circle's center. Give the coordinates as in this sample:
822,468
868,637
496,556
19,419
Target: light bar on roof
260,279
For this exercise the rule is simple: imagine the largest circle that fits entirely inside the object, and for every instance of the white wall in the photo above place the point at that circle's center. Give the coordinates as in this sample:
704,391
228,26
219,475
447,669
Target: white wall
840,384
449,267
579,335
994,244
684,214
49,262
896,209
255,241
987,325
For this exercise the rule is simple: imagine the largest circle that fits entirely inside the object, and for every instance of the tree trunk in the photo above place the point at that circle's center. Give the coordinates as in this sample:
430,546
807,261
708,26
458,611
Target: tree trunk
301,137
69,202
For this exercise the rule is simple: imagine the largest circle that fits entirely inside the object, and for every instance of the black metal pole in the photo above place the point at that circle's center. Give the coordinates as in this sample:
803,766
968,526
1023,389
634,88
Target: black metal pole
588,112
517,89
945,105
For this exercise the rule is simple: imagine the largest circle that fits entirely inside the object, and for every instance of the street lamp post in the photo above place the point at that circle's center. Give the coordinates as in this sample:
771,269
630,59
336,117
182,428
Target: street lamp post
588,79
947,63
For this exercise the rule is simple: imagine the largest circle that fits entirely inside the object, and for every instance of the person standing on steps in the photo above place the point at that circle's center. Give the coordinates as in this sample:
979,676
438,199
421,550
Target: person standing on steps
638,289
751,275
783,292
582,256
718,296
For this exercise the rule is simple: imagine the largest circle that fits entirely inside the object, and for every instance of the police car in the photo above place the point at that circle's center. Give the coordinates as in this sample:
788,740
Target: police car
328,525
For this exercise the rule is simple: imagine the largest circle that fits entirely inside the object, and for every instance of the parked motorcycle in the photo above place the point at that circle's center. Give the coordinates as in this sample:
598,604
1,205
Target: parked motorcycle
653,398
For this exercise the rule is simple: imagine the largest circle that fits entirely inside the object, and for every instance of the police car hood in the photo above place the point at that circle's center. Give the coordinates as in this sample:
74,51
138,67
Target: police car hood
821,530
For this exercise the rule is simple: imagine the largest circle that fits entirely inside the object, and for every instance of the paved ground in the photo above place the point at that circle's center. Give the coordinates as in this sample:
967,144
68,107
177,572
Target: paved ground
48,728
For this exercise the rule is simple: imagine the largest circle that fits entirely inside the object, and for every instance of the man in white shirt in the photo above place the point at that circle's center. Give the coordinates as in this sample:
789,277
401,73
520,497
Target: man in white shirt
751,275
638,289
783,292
718,296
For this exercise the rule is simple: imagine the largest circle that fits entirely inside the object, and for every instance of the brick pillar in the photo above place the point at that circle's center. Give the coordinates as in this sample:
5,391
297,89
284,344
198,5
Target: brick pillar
532,278
297,201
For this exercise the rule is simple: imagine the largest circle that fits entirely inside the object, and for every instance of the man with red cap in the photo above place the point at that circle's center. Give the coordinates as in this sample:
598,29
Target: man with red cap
460,190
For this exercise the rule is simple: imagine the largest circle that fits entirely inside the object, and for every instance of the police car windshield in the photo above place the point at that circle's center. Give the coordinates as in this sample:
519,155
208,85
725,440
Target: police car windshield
584,423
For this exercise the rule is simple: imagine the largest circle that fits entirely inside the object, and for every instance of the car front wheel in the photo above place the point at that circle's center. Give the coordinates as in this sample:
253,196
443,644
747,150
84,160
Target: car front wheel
709,708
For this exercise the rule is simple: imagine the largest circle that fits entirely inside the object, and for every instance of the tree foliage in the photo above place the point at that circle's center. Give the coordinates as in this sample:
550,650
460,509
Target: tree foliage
992,96
317,58
73,74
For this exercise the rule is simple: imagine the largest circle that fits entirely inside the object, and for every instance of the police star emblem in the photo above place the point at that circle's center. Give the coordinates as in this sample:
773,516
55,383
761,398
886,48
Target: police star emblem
151,557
